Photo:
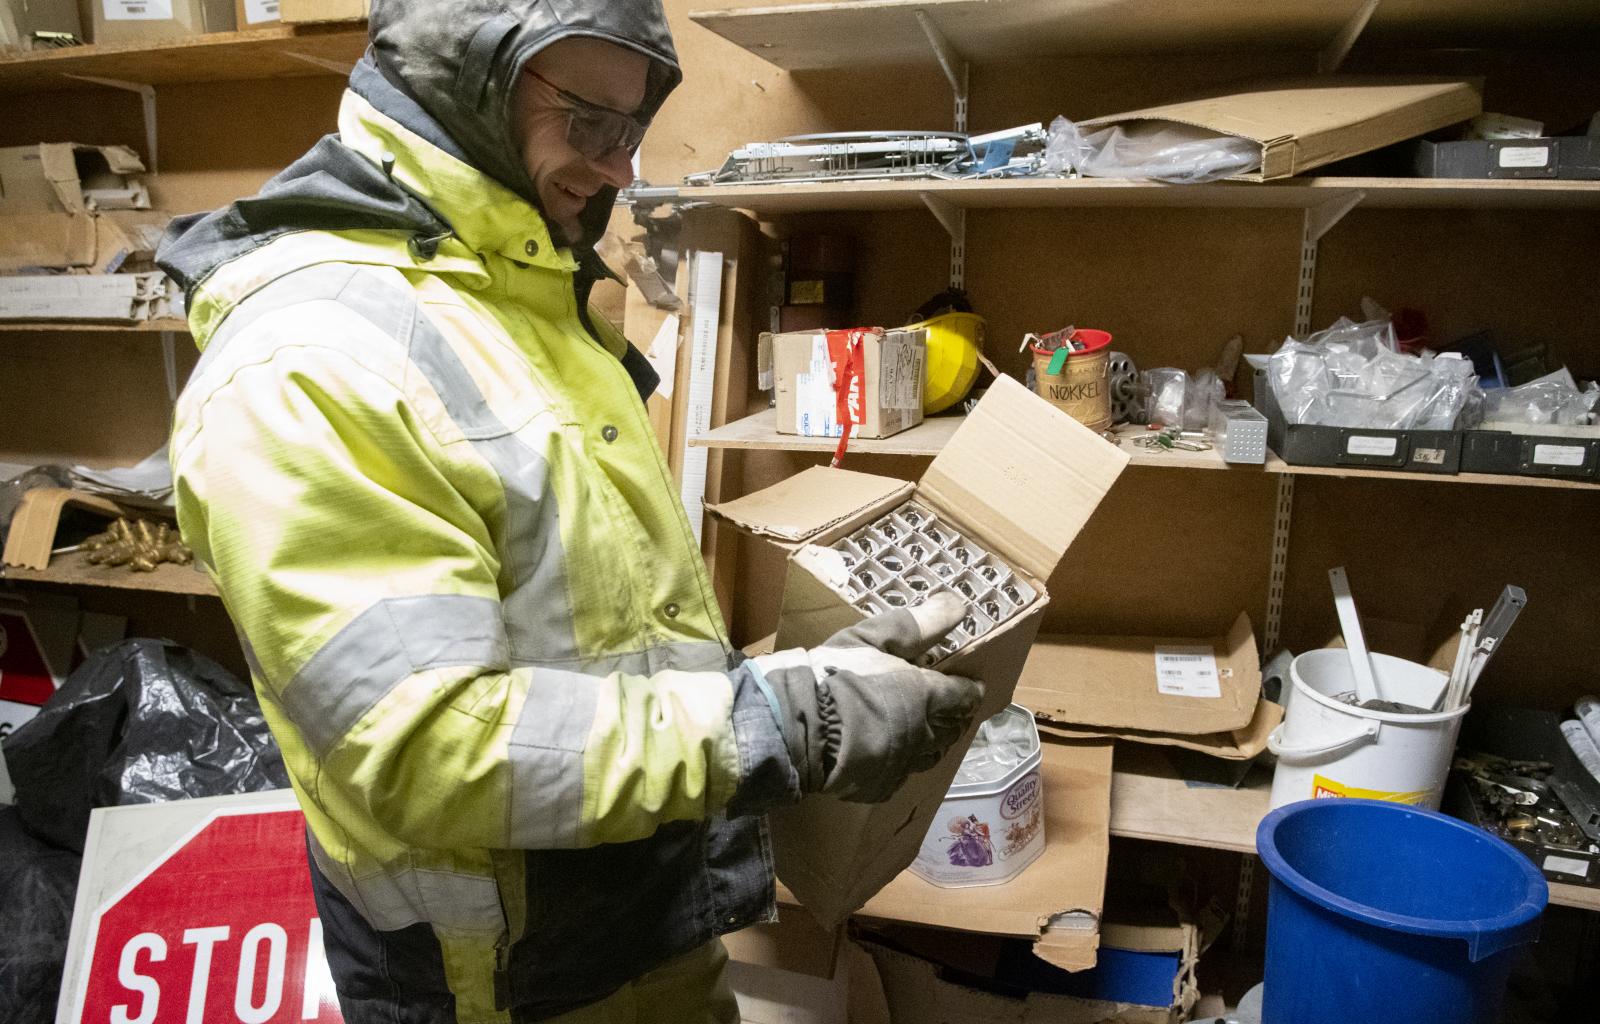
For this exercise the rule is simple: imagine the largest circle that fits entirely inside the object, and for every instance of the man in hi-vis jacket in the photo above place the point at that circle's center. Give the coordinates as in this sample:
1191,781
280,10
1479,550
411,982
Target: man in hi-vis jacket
422,476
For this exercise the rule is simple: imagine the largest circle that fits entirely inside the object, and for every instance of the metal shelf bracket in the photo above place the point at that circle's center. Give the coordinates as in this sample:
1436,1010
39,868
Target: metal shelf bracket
1333,55
951,62
147,95
954,219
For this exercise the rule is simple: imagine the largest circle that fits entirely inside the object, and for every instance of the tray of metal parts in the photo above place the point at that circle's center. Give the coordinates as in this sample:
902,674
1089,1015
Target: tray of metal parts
1501,451
1567,157
1515,801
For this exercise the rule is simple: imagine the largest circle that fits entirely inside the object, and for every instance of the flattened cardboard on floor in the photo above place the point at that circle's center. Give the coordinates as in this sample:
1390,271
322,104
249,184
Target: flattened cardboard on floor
1182,685
1021,478
66,177
1057,900
1302,123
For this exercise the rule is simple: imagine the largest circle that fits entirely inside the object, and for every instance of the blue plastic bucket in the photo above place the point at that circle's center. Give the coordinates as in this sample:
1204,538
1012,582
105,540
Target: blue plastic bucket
1381,912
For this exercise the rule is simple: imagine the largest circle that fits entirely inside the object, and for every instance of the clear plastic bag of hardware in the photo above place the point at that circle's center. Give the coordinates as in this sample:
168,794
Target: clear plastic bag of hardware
1158,150
1166,390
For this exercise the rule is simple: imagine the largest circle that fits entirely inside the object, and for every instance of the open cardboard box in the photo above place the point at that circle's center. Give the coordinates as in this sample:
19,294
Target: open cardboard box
1020,478
1302,123
1184,686
68,177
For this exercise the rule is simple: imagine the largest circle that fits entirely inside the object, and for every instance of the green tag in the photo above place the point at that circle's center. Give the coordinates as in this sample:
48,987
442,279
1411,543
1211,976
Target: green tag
1057,361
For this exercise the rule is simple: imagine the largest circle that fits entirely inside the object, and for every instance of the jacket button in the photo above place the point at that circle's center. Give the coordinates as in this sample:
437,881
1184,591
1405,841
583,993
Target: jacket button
609,433
531,248
671,611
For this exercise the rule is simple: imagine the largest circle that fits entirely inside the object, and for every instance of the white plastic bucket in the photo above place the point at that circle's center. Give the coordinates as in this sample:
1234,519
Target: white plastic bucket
986,833
1327,748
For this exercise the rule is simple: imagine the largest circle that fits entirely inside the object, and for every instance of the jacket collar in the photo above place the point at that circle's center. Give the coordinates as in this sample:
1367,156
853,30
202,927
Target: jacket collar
485,215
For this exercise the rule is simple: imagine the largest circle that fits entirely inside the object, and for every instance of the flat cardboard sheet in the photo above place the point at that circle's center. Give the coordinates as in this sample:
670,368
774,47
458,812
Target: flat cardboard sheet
89,243
1302,123
1237,745
1057,900
810,502
1112,682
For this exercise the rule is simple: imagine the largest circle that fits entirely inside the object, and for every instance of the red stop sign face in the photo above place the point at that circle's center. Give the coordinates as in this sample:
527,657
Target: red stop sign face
222,929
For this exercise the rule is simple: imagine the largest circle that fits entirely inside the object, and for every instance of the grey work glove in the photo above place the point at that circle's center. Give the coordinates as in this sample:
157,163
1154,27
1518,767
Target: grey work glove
857,717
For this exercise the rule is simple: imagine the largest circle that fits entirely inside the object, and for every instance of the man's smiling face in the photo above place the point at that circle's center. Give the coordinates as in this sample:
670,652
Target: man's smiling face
591,70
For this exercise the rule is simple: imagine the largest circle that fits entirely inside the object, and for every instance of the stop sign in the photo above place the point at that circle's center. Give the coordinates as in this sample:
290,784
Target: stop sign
220,928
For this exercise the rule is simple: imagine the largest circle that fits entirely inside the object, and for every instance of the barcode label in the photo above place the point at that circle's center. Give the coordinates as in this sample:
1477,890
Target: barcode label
1187,672
257,11
137,10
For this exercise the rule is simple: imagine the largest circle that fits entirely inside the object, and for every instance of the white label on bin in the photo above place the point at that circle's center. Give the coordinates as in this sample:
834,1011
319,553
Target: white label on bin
1567,866
1361,445
1558,455
260,10
137,10
1187,672
1525,156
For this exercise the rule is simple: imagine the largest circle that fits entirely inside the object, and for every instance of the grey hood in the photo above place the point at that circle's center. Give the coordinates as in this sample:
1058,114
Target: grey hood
445,70
460,62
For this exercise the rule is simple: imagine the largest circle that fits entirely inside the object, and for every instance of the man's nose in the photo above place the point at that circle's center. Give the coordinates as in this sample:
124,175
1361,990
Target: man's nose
615,168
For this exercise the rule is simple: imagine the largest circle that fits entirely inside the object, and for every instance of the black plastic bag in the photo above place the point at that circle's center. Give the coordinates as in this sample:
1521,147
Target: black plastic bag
143,721
37,887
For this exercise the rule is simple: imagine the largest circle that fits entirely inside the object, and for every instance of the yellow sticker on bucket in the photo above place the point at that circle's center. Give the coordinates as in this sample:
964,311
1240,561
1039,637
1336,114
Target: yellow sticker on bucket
1324,788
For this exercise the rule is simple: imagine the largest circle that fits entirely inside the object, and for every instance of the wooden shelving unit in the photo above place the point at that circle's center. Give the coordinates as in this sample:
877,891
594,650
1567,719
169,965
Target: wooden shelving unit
1048,193
143,327
1150,801
857,33
75,570
276,52
759,432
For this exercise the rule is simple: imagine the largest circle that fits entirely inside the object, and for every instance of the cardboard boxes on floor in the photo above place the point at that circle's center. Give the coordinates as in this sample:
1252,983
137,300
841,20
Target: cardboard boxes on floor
1020,478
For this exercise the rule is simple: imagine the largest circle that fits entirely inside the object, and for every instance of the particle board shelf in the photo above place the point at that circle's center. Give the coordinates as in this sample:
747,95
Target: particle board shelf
759,433
854,33
1045,193
143,327
276,52
75,570
1150,801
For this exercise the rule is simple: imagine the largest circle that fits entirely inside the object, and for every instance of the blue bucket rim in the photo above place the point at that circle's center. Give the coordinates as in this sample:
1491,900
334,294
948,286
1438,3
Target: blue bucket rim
1532,906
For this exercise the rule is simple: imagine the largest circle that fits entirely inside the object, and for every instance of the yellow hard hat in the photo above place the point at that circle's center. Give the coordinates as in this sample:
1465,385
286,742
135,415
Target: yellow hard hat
954,341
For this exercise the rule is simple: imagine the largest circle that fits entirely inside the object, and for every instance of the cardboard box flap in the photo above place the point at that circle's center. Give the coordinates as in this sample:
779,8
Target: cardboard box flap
1183,686
1020,461
1302,123
1058,899
810,502
40,241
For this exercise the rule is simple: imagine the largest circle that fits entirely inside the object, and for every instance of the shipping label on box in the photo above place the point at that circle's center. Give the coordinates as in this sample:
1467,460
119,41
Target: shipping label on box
257,12
1020,478
137,10
150,21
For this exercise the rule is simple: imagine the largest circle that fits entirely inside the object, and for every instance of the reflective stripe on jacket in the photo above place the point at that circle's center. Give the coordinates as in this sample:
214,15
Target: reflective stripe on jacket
474,610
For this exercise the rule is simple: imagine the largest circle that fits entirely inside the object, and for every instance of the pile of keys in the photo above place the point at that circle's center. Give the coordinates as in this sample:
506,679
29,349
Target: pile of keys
908,555
1175,439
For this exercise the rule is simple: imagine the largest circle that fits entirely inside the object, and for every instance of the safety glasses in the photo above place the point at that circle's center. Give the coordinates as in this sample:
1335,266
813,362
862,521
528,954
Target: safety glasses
594,130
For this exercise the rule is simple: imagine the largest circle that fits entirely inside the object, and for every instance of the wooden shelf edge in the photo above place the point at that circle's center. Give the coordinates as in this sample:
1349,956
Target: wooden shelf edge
52,326
74,570
199,42
758,433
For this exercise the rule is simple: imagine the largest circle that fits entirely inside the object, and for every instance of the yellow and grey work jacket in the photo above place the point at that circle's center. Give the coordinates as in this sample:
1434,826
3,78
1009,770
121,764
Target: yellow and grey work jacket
474,610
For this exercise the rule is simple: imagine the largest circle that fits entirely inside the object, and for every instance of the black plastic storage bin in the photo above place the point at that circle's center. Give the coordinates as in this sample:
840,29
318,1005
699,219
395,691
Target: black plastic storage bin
1501,451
